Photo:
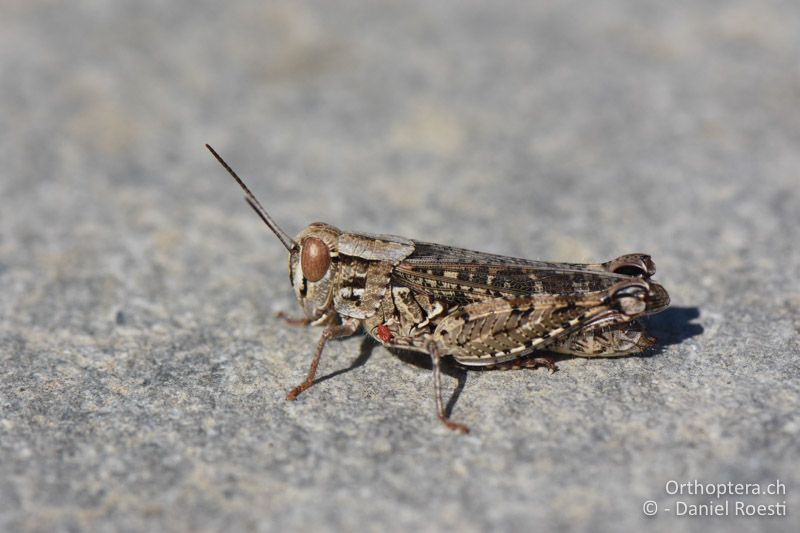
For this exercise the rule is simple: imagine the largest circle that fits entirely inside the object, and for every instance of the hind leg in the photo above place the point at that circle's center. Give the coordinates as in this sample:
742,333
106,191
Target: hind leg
605,341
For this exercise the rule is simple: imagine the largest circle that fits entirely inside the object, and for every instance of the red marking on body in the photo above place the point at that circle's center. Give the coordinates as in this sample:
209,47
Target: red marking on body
383,333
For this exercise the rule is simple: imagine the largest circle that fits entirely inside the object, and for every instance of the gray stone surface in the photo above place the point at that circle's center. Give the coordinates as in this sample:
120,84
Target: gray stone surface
142,373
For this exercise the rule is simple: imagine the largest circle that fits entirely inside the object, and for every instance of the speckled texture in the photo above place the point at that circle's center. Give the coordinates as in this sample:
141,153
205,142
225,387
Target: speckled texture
142,373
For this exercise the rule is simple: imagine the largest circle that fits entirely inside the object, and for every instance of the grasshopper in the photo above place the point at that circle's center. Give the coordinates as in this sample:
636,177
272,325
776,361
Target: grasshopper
481,309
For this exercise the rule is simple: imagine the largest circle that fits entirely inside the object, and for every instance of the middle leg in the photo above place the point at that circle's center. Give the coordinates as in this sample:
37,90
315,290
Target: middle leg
437,390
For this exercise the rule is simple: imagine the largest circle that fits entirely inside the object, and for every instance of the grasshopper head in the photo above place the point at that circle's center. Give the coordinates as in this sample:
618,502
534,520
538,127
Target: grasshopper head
312,268
312,257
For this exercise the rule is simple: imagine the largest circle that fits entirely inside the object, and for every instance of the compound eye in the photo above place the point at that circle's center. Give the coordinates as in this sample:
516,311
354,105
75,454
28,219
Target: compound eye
314,259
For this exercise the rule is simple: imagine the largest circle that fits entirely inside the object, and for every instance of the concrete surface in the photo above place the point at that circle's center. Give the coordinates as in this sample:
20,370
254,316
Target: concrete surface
142,372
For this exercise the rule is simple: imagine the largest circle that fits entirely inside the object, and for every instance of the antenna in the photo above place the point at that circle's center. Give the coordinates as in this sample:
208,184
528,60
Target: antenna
251,199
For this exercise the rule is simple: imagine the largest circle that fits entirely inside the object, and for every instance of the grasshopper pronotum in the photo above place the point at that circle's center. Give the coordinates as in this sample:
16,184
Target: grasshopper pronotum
484,310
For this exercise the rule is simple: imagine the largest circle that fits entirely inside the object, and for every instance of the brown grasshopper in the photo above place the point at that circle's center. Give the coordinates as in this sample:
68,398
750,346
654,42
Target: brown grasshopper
484,310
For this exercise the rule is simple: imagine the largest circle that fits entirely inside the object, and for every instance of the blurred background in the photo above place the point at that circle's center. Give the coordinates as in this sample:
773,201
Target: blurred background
142,372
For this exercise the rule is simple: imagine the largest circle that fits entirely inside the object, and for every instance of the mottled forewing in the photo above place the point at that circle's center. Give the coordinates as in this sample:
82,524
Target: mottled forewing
463,276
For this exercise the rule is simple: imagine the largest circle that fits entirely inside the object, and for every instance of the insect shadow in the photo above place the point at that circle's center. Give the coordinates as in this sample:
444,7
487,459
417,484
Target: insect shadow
365,352
420,360
673,326
449,368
